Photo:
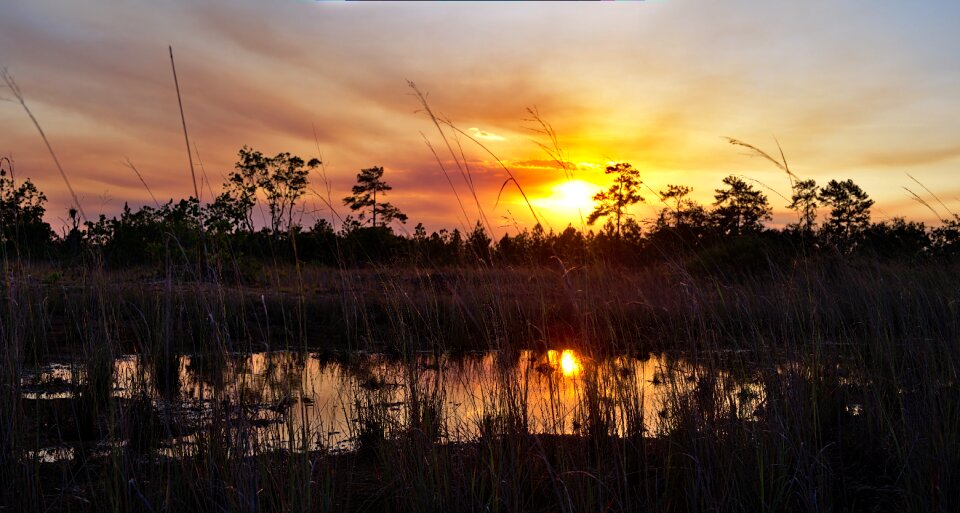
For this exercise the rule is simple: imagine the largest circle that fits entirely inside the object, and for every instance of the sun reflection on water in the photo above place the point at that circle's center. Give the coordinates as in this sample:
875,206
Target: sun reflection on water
567,362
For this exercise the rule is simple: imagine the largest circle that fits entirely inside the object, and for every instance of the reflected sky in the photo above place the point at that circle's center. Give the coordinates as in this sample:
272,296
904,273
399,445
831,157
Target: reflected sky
300,401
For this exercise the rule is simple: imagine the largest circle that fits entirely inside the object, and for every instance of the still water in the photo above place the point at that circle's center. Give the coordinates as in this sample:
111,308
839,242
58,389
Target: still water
301,401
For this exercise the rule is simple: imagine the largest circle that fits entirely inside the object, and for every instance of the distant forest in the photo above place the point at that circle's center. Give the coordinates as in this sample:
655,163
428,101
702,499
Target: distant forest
728,234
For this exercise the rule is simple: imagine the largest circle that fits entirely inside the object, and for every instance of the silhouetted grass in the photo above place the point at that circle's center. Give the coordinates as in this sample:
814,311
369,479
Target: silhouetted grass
856,363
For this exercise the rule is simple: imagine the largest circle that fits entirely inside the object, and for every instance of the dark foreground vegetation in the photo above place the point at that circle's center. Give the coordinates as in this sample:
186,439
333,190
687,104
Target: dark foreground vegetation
855,362
846,330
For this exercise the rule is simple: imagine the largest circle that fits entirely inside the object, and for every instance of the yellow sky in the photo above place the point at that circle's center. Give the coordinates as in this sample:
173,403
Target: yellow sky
849,89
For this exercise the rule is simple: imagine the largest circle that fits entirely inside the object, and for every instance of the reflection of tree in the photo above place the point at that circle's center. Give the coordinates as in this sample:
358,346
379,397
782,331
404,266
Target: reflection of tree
208,369
165,370
283,375
425,395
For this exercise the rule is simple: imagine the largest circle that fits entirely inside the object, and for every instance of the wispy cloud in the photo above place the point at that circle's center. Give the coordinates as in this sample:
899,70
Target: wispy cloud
483,134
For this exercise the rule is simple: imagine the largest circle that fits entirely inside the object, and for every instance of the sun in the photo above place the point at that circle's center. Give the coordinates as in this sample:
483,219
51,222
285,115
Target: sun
568,199
575,194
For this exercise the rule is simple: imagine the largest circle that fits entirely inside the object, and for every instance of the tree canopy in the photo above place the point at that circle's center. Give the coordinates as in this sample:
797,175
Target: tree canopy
849,212
21,210
740,209
281,180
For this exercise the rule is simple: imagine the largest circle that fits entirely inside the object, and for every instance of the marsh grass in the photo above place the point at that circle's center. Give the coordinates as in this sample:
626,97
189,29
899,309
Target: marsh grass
855,364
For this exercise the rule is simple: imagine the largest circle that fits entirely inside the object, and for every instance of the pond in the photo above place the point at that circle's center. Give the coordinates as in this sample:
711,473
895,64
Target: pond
303,402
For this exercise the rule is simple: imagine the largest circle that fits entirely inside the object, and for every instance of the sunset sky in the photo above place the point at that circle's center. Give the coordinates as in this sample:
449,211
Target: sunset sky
850,89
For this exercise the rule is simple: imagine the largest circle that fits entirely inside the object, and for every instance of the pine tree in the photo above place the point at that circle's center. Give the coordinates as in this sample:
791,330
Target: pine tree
615,201
370,184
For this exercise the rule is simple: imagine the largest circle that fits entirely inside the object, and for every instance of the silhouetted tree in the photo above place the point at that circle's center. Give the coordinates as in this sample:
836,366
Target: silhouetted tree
896,239
682,220
615,201
134,237
369,184
478,243
740,209
73,239
173,230
849,213
569,246
804,202
282,179
349,225
677,195
945,239
230,212
21,211
285,184
419,233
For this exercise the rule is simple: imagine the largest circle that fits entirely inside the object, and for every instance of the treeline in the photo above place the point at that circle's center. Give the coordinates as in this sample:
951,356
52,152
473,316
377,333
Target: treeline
727,234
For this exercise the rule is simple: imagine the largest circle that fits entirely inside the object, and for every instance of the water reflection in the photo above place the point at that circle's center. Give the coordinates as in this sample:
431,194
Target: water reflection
567,363
297,401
